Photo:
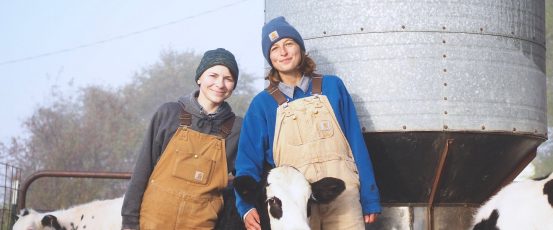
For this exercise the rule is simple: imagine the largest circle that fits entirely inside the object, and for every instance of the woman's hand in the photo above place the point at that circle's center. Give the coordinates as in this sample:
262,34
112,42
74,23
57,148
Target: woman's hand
371,218
251,220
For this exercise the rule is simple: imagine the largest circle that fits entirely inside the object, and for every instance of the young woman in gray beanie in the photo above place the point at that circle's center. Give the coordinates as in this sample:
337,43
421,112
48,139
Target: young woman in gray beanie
187,154
308,121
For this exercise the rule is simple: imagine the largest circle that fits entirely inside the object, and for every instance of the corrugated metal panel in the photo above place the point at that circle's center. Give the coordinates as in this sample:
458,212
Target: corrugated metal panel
431,65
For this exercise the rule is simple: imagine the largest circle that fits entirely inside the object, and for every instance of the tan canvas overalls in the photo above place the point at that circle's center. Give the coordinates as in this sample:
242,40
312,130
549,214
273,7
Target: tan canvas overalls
184,190
308,137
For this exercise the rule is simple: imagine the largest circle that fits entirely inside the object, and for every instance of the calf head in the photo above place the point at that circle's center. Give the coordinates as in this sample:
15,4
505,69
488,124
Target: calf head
29,219
288,195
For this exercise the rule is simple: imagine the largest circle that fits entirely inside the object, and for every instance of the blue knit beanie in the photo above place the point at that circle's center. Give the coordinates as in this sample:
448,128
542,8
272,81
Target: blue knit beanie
215,57
277,29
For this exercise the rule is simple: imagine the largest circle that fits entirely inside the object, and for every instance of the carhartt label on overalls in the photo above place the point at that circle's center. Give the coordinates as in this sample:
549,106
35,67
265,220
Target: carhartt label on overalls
199,176
325,125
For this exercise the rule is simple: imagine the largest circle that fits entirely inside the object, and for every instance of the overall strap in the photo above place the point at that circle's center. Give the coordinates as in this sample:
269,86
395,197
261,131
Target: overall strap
226,127
184,117
276,93
317,84
316,89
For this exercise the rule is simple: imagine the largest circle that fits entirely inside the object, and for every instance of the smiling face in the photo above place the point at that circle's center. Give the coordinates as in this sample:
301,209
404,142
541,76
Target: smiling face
216,85
285,56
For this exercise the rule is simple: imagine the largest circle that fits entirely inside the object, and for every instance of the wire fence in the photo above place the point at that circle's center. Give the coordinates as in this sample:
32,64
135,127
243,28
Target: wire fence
10,179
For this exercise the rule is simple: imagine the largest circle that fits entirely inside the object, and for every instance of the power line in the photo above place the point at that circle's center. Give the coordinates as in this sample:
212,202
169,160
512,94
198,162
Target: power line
119,37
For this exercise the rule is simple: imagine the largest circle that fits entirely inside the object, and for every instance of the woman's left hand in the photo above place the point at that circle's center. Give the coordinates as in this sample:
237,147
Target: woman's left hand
371,218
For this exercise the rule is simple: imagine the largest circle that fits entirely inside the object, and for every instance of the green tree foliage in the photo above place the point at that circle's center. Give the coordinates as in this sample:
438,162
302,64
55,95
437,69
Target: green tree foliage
101,130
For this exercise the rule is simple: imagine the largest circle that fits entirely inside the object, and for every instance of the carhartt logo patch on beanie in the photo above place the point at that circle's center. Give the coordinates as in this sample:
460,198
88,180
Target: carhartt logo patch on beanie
273,36
274,31
215,57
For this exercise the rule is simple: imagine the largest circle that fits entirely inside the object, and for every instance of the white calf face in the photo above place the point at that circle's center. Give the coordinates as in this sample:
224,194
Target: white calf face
287,194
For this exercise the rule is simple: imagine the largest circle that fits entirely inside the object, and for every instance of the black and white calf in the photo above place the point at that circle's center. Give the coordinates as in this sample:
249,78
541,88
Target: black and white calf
519,205
100,214
287,196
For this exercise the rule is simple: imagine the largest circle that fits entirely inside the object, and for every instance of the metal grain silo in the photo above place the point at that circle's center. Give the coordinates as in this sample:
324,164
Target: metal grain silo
451,94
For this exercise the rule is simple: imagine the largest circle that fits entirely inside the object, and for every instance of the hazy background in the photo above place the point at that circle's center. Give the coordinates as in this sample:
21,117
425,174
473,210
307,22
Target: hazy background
69,44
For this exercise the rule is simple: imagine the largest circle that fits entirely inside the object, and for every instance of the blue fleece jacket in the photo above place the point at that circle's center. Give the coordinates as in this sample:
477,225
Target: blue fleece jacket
258,128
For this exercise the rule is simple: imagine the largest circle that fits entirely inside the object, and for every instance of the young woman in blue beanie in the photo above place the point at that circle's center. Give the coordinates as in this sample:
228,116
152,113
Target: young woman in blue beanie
308,121
187,154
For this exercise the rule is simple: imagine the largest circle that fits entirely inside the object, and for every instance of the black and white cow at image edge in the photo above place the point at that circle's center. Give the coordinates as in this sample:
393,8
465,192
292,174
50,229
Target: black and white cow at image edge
519,205
287,195
99,214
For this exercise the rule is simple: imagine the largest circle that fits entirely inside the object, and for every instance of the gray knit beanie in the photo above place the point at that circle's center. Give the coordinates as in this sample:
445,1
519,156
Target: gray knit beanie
215,57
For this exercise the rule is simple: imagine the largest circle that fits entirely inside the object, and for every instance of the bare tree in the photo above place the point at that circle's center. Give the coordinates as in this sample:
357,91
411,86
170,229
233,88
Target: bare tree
100,129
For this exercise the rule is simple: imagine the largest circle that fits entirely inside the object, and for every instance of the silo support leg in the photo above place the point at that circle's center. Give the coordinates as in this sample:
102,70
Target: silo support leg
436,183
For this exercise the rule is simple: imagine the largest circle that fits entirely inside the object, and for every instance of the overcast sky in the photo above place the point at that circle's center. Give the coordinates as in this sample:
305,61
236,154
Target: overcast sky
62,42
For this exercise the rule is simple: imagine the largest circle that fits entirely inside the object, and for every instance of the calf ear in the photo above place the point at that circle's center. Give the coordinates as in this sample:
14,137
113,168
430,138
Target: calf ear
275,207
488,224
51,221
24,212
327,189
548,191
247,188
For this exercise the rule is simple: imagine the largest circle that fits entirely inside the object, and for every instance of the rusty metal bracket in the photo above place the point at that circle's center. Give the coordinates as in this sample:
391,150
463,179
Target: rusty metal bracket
436,183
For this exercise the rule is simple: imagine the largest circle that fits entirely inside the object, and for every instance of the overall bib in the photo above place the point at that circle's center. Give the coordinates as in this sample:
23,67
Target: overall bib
184,190
308,137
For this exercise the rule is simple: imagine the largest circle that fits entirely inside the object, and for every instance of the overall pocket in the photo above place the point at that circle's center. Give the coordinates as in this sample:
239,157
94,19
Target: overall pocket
202,214
193,168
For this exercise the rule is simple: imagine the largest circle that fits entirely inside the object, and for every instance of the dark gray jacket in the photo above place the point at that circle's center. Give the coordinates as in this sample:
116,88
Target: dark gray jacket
162,127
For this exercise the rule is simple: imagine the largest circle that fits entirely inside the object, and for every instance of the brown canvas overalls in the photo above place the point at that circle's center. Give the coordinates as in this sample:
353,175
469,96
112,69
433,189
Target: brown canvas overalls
184,190
308,137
